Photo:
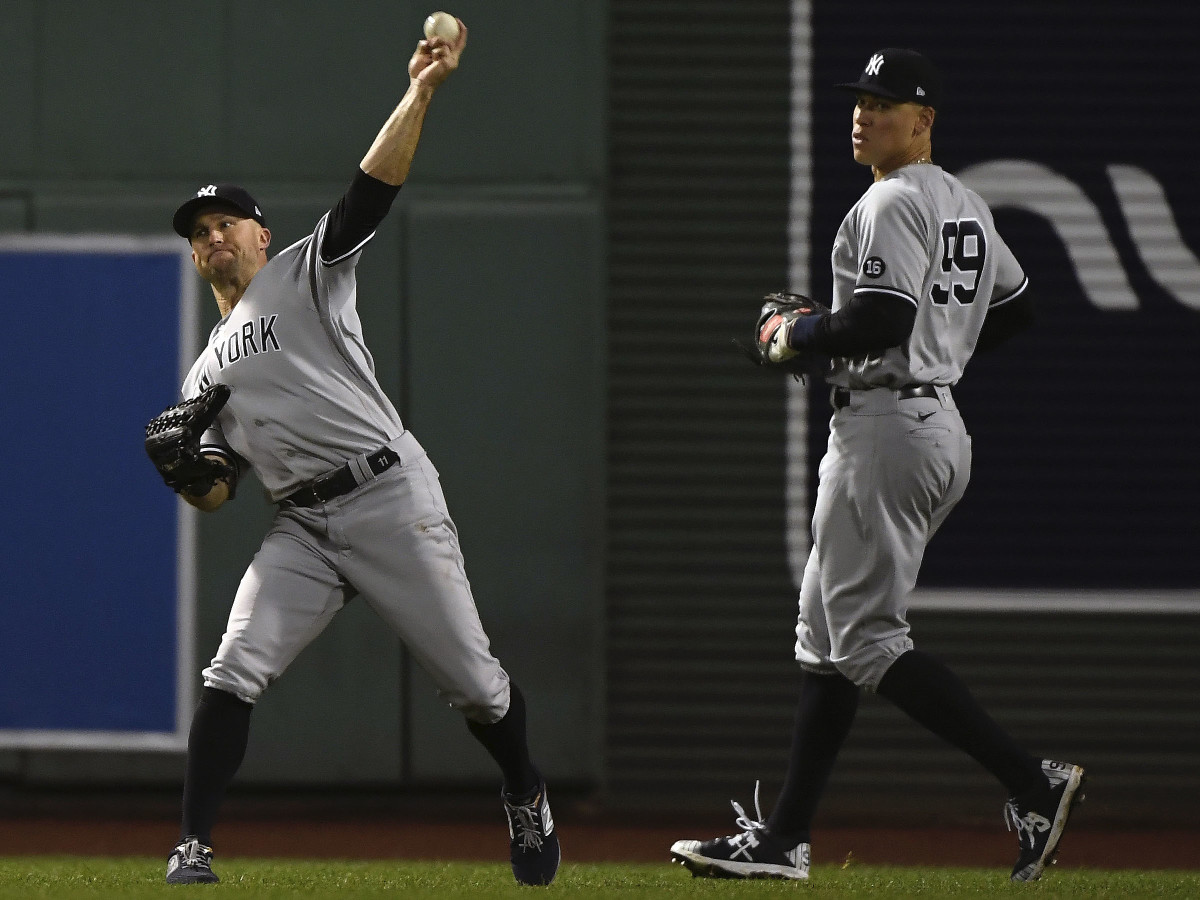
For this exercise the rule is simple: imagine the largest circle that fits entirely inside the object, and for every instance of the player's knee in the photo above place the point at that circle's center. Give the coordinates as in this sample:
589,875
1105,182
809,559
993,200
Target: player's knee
817,669
220,698
242,683
484,703
859,674
867,665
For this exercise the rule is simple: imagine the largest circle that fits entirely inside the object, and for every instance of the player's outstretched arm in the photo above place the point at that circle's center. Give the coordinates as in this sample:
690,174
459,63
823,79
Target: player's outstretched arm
391,155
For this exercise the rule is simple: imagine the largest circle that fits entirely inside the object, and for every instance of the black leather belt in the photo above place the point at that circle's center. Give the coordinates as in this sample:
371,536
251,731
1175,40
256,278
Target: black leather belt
840,398
341,480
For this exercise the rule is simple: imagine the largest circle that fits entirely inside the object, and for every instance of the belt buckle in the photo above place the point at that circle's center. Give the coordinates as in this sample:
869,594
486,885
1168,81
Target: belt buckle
319,485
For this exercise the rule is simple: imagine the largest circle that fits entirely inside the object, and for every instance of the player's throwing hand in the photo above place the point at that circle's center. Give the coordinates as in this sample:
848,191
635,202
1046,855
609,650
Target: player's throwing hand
435,58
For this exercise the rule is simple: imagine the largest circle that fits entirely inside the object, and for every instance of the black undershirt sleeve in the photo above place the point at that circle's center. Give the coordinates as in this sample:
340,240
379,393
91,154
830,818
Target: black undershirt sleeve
356,215
870,323
874,321
1004,321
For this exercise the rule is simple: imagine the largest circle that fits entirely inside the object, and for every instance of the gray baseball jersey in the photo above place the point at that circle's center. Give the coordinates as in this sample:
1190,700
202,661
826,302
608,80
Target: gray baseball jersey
305,398
921,235
304,402
897,461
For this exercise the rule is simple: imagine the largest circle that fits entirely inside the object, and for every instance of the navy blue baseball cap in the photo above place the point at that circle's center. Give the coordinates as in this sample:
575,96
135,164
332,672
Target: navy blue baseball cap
215,195
903,75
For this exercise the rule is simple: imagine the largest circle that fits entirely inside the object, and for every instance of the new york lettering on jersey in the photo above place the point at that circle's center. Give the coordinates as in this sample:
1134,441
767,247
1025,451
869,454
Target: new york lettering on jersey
247,341
297,322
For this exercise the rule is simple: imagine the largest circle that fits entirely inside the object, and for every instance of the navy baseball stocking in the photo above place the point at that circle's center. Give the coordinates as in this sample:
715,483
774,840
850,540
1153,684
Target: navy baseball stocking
825,713
216,745
924,688
505,741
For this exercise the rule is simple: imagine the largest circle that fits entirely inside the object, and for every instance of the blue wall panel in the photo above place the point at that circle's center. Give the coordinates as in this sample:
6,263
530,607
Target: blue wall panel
91,640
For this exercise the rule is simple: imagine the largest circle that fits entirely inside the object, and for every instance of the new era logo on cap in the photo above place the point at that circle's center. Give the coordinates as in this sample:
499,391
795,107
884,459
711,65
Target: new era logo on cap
897,74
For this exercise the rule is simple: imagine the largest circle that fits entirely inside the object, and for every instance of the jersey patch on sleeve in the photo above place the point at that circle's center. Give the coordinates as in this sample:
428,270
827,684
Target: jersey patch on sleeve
874,267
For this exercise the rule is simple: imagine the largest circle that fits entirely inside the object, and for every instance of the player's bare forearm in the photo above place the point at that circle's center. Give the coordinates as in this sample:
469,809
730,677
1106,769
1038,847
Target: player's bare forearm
391,155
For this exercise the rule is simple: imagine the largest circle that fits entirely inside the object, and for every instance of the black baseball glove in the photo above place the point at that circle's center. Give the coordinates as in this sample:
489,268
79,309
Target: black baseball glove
779,312
173,443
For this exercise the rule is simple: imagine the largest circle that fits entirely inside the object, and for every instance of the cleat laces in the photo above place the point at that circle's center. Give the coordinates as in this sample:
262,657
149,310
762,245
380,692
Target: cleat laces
1027,826
528,828
748,839
192,855
743,821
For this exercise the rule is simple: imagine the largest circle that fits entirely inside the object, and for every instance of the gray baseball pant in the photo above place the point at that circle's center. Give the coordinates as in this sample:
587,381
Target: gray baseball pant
391,540
893,471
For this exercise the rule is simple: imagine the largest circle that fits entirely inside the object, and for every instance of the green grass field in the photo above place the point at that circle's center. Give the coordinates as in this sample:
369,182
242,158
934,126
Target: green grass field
47,876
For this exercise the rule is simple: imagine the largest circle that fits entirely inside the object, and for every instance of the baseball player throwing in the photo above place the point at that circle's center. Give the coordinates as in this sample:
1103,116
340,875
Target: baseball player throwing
921,280
360,508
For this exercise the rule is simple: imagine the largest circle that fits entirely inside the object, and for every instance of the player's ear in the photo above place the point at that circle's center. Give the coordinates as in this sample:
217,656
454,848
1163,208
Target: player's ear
924,120
264,238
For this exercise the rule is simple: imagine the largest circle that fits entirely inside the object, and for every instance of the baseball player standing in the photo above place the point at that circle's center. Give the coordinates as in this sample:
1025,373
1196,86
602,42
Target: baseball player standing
360,508
921,281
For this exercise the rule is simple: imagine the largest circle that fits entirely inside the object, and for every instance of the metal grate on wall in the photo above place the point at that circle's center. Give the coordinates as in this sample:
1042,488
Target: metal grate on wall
700,677
1114,692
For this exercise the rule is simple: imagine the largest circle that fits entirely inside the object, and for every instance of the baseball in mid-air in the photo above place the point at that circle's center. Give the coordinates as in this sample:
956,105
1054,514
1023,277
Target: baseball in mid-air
443,25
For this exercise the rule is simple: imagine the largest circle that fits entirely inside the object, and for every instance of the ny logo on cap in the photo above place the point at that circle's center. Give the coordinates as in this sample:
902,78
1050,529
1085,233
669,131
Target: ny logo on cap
209,190
874,65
